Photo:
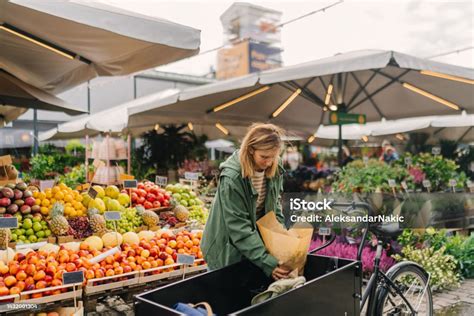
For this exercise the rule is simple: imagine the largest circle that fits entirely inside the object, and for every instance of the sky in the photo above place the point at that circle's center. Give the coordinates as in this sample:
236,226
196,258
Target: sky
421,28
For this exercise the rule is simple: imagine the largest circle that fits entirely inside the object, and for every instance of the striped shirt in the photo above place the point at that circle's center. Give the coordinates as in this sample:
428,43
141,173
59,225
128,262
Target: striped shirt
260,184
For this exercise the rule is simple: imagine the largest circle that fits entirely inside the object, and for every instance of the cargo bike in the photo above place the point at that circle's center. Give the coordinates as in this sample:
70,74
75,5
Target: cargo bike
333,286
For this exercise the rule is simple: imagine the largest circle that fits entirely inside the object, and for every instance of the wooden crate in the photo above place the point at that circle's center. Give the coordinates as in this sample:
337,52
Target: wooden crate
144,278
92,285
24,296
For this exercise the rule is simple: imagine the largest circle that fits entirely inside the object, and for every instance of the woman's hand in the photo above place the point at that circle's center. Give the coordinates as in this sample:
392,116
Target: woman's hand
280,273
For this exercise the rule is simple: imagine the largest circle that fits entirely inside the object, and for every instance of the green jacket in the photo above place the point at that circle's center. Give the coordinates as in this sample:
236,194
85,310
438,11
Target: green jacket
231,232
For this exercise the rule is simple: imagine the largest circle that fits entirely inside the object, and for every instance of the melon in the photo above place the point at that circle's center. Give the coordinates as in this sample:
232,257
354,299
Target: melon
7,255
48,248
74,246
131,238
146,234
94,242
111,239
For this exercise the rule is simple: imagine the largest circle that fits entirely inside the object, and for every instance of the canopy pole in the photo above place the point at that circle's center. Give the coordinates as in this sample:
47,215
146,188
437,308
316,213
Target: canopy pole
87,158
340,108
35,132
129,152
339,145
107,139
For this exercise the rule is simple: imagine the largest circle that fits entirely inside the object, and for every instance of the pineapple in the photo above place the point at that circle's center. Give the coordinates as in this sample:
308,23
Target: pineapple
98,224
58,224
58,209
181,213
5,235
150,218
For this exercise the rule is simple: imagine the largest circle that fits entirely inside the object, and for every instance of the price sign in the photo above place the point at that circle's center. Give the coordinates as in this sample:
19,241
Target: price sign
392,183
130,184
324,231
35,246
9,222
161,181
185,259
427,183
73,277
436,150
365,159
404,185
191,176
46,184
112,216
408,161
92,193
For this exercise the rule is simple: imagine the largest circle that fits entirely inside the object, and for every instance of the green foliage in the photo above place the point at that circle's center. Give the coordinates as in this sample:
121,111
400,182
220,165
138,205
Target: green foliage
461,248
74,147
357,176
75,177
167,150
49,166
440,265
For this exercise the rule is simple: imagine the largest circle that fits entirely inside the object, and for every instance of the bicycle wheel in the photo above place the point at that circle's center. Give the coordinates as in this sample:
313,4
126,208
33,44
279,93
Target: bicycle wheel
412,281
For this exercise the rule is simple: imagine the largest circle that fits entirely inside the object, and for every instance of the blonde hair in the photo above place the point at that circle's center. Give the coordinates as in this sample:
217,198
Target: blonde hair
260,137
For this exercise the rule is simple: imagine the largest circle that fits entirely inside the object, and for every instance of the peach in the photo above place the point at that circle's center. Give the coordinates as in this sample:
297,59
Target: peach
21,275
21,285
146,265
145,253
10,281
169,261
169,250
37,295
70,267
41,284
4,291
110,272
39,275
118,270
56,282
4,269
89,274
15,290
99,273
127,269
48,279
14,268
31,269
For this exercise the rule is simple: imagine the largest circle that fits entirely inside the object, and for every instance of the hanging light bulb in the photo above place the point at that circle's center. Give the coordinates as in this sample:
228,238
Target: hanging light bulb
157,127
333,107
190,126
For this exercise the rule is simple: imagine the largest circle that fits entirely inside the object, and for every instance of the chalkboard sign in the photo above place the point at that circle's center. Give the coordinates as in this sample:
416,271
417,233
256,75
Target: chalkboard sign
191,176
73,277
392,183
324,231
9,222
92,193
185,259
130,184
161,181
112,216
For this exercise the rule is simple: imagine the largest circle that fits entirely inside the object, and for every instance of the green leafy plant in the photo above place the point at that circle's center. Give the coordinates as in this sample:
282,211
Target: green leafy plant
368,178
76,176
441,266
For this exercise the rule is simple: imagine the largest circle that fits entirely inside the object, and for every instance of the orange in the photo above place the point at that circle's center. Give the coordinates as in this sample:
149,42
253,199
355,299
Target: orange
45,202
59,196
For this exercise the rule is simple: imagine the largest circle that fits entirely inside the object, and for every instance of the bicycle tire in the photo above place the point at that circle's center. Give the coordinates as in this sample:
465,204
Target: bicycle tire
399,269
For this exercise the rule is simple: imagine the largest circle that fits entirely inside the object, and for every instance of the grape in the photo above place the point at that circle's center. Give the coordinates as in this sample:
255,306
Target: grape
129,221
79,227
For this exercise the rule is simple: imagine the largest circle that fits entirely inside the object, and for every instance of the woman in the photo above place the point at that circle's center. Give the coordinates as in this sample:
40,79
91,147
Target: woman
251,182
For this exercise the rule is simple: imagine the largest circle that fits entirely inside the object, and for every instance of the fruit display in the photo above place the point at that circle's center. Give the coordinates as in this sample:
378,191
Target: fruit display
61,193
44,268
129,221
31,229
183,195
150,195
18,198
80,226
108,199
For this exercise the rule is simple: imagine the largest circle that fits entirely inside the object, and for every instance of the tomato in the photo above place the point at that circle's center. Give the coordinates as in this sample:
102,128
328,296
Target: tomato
142,192
148,205
150,197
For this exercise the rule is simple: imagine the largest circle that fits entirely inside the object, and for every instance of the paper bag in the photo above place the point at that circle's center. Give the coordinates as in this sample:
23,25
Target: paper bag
289,247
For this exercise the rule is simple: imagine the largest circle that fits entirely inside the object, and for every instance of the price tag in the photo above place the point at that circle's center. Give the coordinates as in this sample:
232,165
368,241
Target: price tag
130,184
427,183
365,159
185,259
92,193
73,277
191,176
34,246
161,181
9,222
392,183
452,182
324,231
408,161
112,216
46,184
436,150
404,185
104,255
